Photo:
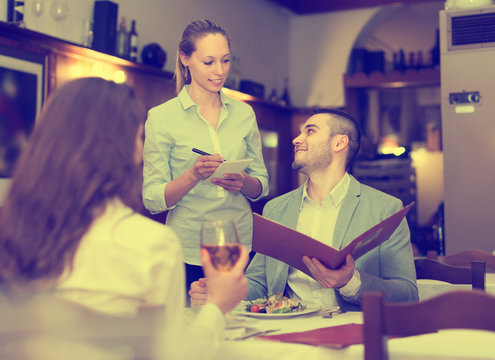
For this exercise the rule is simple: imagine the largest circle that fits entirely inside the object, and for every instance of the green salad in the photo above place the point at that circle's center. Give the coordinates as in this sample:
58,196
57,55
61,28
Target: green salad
275,304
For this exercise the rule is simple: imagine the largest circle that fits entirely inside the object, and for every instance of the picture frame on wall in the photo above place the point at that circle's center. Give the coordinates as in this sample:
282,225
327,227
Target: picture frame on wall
22,84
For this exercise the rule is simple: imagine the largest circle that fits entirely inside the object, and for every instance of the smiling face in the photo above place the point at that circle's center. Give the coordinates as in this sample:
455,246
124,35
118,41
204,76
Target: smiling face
209,65
313,147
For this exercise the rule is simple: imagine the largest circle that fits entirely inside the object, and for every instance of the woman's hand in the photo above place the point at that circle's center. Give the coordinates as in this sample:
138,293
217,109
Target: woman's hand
225,288
206,165
231,182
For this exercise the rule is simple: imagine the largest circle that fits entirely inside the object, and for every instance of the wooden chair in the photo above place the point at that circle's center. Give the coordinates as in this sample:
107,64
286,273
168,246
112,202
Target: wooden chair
463,309
464,258
54,326
435,270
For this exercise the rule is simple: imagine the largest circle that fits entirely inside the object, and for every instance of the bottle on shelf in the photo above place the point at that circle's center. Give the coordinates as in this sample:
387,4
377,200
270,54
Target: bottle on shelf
411,64
402,60
133,42
285,98
435,51
419,60
122,48
235,73
395,62
273,96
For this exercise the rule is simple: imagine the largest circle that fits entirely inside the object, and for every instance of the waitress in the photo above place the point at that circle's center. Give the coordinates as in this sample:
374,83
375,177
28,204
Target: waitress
202,117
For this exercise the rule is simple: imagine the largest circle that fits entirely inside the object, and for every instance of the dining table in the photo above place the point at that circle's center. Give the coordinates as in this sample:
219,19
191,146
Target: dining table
431,288
452,344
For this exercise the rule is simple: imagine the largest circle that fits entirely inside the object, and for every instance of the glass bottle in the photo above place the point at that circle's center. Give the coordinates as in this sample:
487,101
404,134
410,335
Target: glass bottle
122,47
235,73
285,98
133,42
273,96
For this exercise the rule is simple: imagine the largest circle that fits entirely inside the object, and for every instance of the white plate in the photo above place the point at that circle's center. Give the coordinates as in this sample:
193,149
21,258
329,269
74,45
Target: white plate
310,308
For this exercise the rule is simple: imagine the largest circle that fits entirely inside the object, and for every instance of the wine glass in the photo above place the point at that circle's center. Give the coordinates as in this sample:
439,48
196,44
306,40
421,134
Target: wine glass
38,9
59,10
221,240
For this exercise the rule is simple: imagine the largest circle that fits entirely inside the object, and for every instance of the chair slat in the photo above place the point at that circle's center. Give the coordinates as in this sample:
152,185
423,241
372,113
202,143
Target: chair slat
462,309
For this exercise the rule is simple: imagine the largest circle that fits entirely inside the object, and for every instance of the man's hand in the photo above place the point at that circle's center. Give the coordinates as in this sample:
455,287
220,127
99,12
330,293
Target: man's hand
222,288
198,292
328,278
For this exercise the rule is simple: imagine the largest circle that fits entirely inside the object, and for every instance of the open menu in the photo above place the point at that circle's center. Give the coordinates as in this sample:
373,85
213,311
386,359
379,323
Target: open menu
282,243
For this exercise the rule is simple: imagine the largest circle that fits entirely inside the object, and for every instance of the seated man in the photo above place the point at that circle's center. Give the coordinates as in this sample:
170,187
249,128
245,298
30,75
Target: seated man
333,208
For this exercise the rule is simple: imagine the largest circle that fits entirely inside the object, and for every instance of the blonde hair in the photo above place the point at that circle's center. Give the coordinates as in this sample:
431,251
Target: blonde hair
187,46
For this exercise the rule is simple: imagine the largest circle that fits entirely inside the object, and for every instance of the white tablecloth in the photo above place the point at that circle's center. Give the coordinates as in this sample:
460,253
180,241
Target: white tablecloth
448,344
430,288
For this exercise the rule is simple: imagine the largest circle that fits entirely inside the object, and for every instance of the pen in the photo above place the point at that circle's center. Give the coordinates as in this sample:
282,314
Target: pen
200,152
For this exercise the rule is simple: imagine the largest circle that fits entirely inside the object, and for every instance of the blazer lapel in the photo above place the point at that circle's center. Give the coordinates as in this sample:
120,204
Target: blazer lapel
349,205
291,216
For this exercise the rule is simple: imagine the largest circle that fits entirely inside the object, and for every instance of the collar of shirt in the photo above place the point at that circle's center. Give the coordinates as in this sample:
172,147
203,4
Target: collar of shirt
187,102
336,195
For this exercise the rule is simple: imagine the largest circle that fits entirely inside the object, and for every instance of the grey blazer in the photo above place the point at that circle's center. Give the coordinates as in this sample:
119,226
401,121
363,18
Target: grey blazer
388,267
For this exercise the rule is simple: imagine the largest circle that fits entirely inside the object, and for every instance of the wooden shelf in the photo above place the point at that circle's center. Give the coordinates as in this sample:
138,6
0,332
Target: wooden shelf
16,37
409,78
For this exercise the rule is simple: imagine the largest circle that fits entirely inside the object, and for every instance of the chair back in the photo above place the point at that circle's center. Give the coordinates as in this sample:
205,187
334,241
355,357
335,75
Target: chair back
55,326
435,270
464,258
463,309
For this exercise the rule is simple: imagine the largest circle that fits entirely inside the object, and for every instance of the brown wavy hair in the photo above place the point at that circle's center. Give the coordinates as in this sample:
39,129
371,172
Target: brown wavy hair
187,46
79,156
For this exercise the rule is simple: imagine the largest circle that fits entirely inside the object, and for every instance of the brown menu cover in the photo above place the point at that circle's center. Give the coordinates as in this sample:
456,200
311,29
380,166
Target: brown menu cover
333,336
282,243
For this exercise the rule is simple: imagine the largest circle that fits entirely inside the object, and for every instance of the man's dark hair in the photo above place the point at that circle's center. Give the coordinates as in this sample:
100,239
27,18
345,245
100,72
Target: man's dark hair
344,124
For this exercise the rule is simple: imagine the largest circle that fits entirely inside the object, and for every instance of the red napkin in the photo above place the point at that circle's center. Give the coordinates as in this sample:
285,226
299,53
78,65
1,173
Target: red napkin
333,336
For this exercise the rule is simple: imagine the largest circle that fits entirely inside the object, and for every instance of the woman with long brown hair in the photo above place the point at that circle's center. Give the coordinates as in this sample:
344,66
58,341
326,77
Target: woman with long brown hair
71,226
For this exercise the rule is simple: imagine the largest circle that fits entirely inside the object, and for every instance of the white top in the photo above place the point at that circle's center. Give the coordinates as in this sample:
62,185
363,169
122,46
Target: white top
318,221
125,261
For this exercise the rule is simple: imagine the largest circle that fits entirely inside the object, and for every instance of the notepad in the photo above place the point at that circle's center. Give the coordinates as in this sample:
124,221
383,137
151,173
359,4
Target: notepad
230,167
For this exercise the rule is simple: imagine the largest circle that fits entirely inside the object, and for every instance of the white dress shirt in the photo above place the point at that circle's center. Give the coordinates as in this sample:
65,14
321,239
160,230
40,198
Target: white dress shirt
318,221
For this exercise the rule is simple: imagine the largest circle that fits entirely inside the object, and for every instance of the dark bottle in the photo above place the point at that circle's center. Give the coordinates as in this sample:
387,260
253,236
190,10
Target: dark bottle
402,60
419,60
133,42
122,48
273,96
435,50
412,60
395,61
285,98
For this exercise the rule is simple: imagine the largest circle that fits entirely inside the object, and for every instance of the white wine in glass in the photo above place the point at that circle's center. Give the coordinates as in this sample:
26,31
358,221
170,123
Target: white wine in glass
221,240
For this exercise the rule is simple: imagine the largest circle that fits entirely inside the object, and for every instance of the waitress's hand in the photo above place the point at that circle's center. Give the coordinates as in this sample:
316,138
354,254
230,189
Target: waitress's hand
206,165
231,182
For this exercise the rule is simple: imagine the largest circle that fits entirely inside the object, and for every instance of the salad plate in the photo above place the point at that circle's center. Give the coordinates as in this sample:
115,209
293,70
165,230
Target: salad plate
310,308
